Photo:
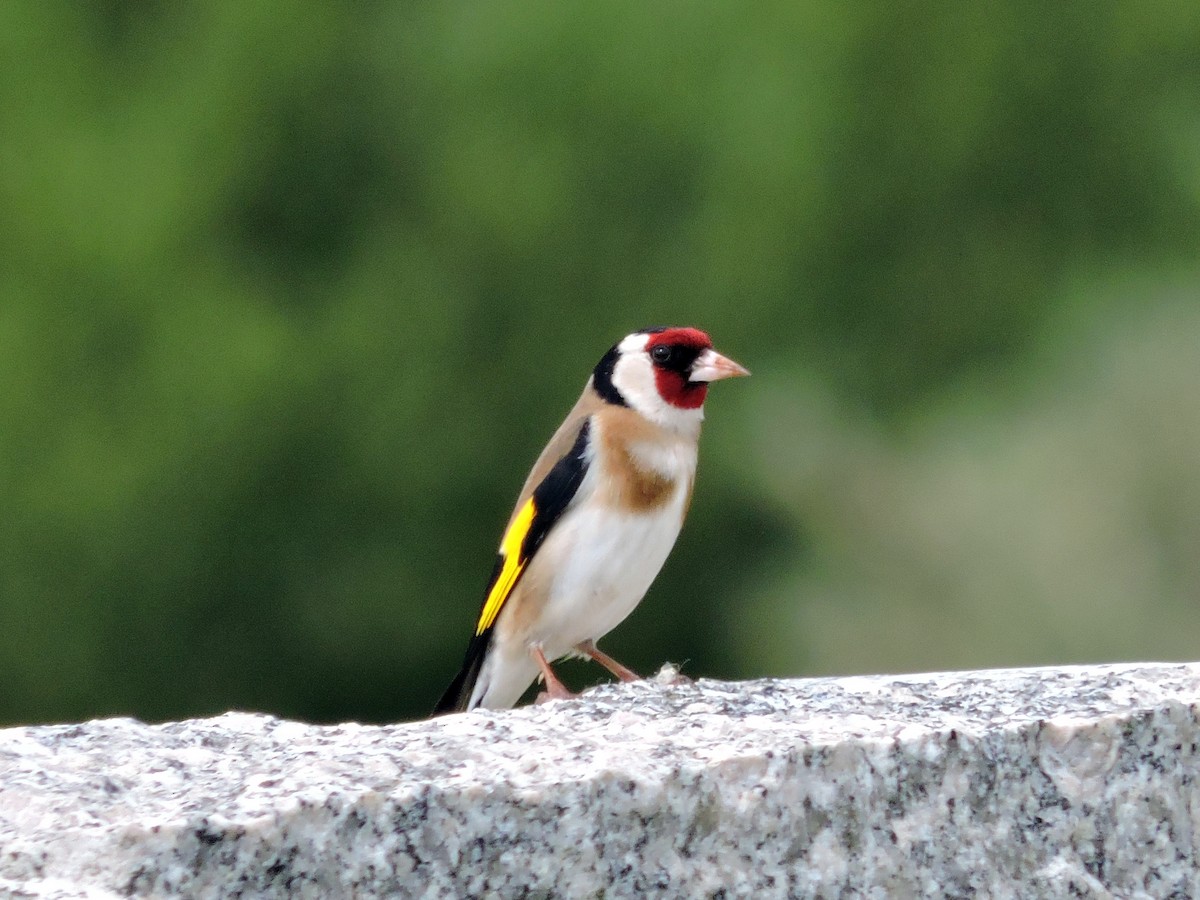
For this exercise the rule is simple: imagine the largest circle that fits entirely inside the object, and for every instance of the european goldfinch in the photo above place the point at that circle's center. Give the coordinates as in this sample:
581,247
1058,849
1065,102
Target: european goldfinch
595,520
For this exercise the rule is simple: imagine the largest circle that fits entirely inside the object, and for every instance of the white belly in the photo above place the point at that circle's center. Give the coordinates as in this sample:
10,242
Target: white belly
604,561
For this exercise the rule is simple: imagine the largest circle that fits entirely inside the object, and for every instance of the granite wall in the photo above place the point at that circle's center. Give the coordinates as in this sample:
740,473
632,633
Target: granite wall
1022,783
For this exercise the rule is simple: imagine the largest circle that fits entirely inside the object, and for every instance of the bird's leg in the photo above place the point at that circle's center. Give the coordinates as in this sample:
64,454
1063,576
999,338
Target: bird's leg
589,649
555,689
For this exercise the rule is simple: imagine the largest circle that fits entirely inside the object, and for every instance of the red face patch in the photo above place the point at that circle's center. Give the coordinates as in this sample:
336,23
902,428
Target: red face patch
671,382
678,391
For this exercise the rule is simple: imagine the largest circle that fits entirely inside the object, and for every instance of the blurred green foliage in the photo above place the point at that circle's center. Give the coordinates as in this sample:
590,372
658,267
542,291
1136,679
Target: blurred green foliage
290,298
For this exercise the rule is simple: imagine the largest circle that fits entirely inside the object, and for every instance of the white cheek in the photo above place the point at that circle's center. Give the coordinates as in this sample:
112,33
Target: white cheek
634,378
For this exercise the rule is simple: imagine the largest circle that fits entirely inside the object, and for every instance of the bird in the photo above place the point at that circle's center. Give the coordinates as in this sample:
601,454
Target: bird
595,520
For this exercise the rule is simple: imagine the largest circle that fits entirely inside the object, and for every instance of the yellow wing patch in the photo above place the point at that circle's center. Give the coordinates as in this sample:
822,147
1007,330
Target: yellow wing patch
510,549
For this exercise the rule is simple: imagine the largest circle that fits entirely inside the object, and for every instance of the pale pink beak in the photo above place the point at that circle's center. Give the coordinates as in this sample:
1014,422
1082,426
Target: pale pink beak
712,366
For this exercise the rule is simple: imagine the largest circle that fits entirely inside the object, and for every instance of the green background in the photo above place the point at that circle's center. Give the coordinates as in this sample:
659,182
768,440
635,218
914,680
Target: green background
292,295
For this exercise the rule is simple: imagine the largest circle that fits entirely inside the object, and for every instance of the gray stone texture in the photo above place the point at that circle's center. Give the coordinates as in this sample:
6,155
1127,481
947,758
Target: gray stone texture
1068,782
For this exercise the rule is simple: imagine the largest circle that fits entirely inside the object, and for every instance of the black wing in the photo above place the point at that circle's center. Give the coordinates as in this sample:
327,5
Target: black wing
533,521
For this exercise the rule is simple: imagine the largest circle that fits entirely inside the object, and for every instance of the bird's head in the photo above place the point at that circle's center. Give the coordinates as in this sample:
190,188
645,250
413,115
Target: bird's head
663,373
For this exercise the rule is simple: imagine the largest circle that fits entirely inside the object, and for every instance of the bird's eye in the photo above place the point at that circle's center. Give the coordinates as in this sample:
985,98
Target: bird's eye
661,353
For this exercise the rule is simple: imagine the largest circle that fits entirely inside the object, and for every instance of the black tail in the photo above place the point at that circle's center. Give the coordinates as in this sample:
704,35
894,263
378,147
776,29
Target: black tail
458,695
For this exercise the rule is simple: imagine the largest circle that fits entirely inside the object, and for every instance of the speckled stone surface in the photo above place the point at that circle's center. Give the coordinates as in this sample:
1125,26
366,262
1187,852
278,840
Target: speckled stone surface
1022,783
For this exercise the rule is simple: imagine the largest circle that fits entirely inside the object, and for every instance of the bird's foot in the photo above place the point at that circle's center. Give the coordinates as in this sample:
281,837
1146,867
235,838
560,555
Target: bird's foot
555,689
590,650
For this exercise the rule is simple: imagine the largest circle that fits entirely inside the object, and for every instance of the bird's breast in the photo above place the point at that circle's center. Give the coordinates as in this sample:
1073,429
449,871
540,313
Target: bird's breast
598,566
639,471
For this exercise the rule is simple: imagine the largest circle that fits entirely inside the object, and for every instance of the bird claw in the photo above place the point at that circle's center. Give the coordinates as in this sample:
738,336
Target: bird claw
555,689
553,692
